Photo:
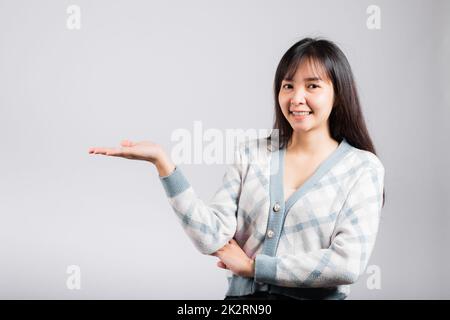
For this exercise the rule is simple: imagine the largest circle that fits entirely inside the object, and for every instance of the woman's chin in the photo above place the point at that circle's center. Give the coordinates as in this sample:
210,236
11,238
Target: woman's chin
296,127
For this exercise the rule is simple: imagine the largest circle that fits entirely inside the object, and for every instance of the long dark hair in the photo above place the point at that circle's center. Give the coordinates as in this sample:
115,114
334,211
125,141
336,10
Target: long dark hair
346,119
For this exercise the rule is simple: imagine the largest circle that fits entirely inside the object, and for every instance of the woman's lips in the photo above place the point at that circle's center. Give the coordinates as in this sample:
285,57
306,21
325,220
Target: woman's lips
299,117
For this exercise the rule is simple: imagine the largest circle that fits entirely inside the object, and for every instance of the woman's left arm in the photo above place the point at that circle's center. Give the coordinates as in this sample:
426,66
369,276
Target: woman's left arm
233,258
351,246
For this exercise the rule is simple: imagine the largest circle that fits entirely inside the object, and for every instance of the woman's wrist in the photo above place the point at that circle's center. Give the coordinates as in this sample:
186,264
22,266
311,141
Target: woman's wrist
164,166
251,268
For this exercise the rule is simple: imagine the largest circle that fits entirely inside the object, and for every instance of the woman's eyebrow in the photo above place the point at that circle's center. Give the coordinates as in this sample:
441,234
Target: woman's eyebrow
312,79
305,79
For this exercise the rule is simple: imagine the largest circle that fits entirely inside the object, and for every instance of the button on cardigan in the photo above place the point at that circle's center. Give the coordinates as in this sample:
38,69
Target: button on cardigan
314,244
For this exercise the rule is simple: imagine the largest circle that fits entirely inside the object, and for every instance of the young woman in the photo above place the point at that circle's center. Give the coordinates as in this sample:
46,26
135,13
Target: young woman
300,223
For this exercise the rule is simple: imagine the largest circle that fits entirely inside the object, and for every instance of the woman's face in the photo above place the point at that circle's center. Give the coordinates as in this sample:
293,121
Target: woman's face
307,91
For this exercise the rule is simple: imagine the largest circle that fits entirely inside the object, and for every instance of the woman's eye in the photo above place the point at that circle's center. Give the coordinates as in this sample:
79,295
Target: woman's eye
286,86
313,86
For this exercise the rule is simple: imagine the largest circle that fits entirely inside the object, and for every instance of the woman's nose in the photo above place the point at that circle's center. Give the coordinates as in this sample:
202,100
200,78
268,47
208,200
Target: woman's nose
299,97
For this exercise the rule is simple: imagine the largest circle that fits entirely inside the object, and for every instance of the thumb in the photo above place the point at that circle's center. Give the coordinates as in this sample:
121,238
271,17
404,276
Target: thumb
222,265
126,143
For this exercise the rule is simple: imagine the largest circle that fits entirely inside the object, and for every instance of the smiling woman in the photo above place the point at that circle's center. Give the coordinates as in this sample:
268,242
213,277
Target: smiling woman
306,101
300,222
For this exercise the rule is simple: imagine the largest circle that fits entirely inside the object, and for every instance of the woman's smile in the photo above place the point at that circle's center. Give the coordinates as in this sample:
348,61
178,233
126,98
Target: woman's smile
301,115
300,118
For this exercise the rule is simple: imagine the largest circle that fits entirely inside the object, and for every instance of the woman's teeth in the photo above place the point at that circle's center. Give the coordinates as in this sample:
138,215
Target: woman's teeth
302,113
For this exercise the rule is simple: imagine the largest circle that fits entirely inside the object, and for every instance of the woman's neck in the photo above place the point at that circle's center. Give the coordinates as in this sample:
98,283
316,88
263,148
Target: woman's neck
311,143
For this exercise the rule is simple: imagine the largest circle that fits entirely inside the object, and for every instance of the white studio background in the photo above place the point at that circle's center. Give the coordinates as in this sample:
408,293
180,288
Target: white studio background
142,69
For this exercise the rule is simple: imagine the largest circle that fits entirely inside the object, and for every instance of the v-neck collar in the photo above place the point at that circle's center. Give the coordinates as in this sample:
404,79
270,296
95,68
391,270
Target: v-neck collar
323,168
280,208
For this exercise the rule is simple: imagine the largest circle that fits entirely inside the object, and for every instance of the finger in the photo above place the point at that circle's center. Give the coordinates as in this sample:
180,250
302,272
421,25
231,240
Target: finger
127,143
108,151
222,265
124,152
231,242
98,150
115,153
94,150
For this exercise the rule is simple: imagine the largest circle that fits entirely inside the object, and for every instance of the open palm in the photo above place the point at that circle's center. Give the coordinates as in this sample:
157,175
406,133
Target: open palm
144,150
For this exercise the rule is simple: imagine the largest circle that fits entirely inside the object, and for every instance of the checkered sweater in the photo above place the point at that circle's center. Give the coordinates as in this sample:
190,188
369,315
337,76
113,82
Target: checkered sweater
314,244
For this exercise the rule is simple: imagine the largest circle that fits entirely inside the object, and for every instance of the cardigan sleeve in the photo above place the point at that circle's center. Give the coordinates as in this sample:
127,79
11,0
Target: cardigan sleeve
209,225
351,245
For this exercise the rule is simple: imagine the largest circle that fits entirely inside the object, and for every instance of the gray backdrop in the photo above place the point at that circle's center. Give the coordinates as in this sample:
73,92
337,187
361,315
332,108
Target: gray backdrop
142,69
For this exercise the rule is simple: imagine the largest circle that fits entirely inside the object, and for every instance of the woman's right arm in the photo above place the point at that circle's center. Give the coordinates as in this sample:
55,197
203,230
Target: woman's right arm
209,226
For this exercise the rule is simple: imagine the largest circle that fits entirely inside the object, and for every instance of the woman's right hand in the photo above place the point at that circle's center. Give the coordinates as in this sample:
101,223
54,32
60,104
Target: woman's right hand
144,150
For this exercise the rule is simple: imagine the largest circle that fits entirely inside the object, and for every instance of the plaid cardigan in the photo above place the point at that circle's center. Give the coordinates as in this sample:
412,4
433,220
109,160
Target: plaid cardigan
313,245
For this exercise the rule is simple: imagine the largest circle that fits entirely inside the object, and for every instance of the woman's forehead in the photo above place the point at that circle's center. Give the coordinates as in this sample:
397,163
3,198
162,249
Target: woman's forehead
306,69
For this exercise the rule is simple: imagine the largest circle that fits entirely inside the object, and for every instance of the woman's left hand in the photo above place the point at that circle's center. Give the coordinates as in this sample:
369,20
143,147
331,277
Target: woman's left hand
232,257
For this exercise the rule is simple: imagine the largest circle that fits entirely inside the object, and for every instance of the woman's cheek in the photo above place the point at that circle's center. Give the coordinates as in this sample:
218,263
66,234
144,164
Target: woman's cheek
285,108
320,103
